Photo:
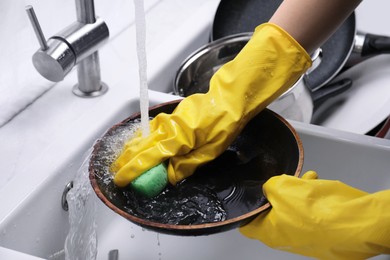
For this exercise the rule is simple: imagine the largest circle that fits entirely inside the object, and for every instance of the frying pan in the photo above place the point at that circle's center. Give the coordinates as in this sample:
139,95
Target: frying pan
235,16
266,147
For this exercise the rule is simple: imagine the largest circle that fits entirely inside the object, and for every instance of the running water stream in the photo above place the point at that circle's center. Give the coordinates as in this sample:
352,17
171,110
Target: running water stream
140,27
81,241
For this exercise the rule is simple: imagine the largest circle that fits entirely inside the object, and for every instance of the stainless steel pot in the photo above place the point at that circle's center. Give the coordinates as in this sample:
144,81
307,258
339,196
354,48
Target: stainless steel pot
196,71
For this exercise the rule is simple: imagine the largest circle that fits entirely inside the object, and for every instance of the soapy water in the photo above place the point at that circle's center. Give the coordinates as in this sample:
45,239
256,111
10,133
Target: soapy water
175,205
215,193
81,241
225,188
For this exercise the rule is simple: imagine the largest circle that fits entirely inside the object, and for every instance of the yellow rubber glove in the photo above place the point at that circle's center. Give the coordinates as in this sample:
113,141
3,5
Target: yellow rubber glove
323,219
203,125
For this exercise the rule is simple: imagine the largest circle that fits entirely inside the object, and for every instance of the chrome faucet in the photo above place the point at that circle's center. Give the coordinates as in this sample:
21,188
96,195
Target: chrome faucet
77,44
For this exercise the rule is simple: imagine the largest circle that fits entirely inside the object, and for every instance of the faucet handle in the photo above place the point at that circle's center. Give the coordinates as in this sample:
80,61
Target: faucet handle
55,58
78,43
37,27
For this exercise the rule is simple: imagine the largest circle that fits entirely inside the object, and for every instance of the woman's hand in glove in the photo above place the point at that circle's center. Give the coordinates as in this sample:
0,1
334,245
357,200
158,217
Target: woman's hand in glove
203,125
323,219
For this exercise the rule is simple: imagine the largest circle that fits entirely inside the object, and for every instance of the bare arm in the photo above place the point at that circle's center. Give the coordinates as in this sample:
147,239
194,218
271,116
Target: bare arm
311,22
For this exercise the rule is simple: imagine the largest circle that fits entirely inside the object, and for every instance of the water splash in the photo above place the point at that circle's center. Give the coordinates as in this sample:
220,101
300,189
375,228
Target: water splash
185,203
81,241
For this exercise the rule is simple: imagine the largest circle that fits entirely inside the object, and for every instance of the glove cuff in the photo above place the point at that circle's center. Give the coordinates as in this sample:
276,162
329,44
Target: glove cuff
286,35
269,64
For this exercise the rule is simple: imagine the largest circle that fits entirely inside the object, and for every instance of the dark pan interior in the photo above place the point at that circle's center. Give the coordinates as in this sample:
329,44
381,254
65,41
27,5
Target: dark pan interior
231,185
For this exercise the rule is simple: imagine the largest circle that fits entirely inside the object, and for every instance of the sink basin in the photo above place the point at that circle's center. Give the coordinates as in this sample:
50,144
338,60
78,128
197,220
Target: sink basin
39,225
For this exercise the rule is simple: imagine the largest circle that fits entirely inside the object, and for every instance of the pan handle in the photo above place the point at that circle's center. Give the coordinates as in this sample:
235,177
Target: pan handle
326,98
330,91
376,44
365,46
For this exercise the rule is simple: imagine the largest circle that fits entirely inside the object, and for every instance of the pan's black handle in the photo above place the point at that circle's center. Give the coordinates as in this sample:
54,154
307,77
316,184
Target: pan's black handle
329,91
375,44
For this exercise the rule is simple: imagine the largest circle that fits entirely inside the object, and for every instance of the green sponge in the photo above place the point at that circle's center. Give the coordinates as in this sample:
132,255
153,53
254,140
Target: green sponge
151,182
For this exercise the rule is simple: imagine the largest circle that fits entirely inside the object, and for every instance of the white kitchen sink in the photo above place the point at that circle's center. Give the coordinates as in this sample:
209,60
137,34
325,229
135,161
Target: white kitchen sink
38,226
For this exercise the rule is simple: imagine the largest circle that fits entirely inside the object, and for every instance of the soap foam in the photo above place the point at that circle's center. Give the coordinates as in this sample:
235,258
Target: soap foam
113,144
186,203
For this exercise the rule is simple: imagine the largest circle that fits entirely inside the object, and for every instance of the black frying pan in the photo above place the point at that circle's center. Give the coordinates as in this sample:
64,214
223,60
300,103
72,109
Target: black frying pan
235,16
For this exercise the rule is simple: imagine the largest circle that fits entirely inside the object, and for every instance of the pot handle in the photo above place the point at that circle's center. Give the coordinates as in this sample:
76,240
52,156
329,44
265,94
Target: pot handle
316,58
